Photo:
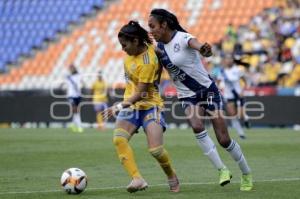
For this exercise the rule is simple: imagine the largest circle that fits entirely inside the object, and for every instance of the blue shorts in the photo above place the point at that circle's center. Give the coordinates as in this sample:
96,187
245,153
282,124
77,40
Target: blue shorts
75,101
100,106
237,99
210,99
143,117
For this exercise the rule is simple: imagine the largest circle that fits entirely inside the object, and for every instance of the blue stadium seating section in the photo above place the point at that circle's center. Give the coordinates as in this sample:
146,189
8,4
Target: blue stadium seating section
25,24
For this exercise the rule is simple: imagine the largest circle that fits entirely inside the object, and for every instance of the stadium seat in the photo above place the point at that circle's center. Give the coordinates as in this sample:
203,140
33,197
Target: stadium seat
39,20
94,45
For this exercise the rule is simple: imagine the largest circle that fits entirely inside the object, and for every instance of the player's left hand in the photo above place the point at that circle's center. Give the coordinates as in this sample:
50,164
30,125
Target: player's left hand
109,112
205,50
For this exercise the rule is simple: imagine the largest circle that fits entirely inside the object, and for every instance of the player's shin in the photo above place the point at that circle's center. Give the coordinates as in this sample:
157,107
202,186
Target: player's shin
237,126
125,152
209,149
100,120
236,153
77,119
162,156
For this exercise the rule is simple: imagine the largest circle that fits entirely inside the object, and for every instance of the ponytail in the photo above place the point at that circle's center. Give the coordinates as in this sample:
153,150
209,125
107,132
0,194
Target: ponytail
163,15
133,30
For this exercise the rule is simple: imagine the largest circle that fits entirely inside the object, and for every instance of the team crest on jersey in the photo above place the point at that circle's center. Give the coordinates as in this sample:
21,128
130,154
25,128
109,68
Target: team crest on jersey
176,47
149,117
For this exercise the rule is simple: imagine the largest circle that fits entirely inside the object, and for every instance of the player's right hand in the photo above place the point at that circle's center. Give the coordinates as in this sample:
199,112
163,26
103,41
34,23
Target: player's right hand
206,50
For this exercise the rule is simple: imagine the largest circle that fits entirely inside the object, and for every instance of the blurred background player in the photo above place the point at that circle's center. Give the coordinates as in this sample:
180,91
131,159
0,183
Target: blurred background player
229,77
141,107
74,84
178,51
99,90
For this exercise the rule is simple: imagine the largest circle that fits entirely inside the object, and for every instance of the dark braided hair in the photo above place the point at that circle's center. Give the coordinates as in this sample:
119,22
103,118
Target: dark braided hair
132,31
163,15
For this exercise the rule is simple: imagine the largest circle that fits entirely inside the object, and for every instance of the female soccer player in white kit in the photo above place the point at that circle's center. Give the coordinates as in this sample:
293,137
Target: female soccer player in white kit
74,84
178,52
230,75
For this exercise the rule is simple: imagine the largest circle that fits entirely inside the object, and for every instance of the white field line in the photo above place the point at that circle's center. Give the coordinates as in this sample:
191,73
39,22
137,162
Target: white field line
155,185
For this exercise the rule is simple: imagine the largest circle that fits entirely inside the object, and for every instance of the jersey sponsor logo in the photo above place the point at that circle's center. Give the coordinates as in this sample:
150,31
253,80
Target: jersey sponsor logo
176,73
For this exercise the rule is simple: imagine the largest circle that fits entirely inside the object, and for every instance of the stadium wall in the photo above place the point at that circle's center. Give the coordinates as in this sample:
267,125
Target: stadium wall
41,106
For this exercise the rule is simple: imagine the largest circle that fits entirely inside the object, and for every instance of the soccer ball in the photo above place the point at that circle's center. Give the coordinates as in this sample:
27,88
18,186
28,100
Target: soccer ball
73,181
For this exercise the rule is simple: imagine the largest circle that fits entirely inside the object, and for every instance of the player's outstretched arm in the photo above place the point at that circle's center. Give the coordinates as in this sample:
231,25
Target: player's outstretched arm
204,49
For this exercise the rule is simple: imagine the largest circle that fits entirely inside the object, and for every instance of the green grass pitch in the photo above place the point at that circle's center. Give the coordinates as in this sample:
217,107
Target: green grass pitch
32,161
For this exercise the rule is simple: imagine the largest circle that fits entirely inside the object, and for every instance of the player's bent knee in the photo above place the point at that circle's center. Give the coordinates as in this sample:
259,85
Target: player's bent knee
118,140
224,142
120,136
156,151
198,128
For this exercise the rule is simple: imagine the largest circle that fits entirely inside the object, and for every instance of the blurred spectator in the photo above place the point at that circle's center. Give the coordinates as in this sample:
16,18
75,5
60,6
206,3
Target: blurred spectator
231,32
270,44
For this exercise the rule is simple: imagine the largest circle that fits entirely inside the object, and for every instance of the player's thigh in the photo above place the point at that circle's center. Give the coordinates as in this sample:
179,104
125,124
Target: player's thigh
241,112
75,108
99,106
128,120
127,126
220,128
75,101
154,132
231,108
195,114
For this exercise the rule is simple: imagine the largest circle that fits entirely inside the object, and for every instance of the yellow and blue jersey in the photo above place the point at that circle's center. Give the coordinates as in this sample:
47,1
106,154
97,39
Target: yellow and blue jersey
99,91
143,68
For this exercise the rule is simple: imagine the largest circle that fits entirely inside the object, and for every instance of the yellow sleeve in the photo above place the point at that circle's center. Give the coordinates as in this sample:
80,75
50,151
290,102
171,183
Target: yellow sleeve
93,87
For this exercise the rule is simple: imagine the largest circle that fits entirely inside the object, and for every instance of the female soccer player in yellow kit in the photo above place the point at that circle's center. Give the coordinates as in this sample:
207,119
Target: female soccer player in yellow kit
142,106
99,99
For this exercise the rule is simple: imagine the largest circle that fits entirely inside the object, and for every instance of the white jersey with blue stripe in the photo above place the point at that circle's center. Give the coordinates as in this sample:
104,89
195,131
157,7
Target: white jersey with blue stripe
231,78
184,65
73,85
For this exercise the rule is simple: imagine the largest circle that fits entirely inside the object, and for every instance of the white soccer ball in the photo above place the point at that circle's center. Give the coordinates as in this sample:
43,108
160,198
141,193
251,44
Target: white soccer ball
73,181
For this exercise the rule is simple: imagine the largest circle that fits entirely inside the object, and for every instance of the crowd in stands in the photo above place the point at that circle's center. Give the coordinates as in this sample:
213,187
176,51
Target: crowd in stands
269,46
